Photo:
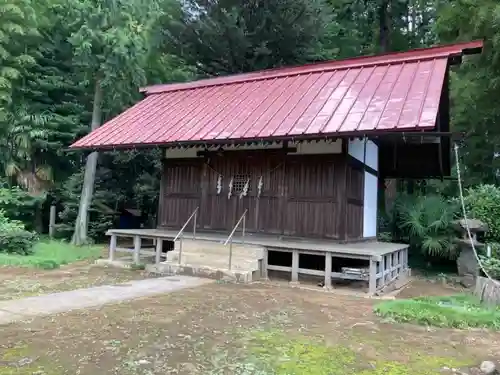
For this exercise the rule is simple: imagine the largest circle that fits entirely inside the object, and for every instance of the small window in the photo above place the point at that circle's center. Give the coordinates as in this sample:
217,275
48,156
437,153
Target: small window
239,182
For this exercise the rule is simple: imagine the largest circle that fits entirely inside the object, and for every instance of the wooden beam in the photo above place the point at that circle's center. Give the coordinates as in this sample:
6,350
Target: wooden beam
112,247
328,270
159,248
295,266
137,249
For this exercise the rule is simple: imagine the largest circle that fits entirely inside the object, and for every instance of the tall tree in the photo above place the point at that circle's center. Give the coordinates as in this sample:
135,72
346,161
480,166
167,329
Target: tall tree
112,41
232,36
475,84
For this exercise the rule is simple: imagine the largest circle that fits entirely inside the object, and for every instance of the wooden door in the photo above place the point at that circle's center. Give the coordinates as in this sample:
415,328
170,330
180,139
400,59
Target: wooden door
180,192
313,197
239,181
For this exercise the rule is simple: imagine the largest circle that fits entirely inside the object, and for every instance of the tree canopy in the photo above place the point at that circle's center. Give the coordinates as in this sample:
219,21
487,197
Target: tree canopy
66,66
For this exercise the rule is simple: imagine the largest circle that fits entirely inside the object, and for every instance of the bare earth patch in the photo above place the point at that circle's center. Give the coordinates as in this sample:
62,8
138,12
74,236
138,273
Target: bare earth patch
211,329
25,282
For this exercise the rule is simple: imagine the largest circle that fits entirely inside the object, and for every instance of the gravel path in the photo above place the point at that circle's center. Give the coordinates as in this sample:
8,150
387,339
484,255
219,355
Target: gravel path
25,308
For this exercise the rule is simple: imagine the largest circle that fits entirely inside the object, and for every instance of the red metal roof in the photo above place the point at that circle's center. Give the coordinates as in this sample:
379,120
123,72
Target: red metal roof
391,92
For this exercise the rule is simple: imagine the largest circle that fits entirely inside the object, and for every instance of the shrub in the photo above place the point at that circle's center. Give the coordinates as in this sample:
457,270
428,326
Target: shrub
424,222
491,265
483,202
14,238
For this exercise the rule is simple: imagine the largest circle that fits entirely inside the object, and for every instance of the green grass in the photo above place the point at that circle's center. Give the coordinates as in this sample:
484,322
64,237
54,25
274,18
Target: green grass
276,353
459,311
51,254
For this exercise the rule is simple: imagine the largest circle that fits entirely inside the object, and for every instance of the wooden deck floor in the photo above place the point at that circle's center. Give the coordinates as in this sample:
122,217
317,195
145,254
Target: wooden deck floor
362,249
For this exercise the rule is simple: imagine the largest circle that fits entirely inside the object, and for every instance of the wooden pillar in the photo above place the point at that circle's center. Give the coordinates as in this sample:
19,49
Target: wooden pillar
264,265
388,266
137,249
328,270
382,268
372,283
295,266
52,221
112,247
159,248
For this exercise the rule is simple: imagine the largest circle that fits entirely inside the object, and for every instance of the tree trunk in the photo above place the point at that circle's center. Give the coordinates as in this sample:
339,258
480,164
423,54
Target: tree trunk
384,19
82,222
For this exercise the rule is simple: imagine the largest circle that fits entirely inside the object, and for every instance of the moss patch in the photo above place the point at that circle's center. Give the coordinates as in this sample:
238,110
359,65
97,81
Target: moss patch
276,353
17,360
460,311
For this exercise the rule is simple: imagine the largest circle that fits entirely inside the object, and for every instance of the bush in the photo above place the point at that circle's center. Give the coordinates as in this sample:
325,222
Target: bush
14,238
424,222
483,203
460,311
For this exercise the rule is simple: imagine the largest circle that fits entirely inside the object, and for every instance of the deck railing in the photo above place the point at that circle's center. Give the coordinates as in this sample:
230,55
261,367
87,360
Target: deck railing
180,234
242,221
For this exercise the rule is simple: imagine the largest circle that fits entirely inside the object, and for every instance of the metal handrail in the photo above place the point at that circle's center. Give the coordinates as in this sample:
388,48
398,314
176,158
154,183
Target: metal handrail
181,232
230,237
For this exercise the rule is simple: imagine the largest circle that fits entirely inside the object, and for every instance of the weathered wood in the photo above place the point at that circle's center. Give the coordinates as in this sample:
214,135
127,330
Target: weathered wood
52,221
488,291
328,270
372,284
137,249
264,265
112,247
295,266
159,248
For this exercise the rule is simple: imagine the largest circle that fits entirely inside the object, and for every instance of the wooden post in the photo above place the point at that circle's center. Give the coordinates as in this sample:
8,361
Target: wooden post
159,248
112,247
328,270
388,266
137,248
264,265
52,221
372,283
295,266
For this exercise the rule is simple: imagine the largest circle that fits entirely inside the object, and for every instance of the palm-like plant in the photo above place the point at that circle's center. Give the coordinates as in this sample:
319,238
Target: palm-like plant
425,222
22,149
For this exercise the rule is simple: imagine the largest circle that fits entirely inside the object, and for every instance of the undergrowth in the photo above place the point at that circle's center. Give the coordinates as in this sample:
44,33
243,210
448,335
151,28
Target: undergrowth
276,353
459,311
51,254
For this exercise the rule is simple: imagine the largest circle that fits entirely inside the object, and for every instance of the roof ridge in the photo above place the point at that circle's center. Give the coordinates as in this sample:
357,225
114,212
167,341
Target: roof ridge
324,66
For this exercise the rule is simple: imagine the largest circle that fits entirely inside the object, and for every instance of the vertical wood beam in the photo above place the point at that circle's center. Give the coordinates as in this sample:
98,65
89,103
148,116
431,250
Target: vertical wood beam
295,266
159,248
204,194
372,283
112,247
328,270
388,266
265,260
137,249
382,268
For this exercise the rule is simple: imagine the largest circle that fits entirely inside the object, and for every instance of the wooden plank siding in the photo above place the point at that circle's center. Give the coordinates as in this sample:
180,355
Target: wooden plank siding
290,195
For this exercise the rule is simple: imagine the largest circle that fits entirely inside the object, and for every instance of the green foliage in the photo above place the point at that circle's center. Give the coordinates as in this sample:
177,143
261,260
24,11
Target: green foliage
474,84
424,222
18,204
233,36
491,265
51,254
14,238
461,311
483,203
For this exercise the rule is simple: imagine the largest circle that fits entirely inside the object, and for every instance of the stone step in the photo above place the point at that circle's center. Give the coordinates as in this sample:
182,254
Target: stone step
214,260
218,249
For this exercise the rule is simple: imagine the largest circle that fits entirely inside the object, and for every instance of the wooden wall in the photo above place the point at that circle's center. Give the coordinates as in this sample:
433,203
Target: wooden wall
299,195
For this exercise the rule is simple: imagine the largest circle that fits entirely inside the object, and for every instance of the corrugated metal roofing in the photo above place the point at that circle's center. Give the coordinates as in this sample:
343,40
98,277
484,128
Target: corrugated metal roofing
392,92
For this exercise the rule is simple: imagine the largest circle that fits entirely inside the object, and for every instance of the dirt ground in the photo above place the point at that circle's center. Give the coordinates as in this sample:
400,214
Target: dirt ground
211,329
